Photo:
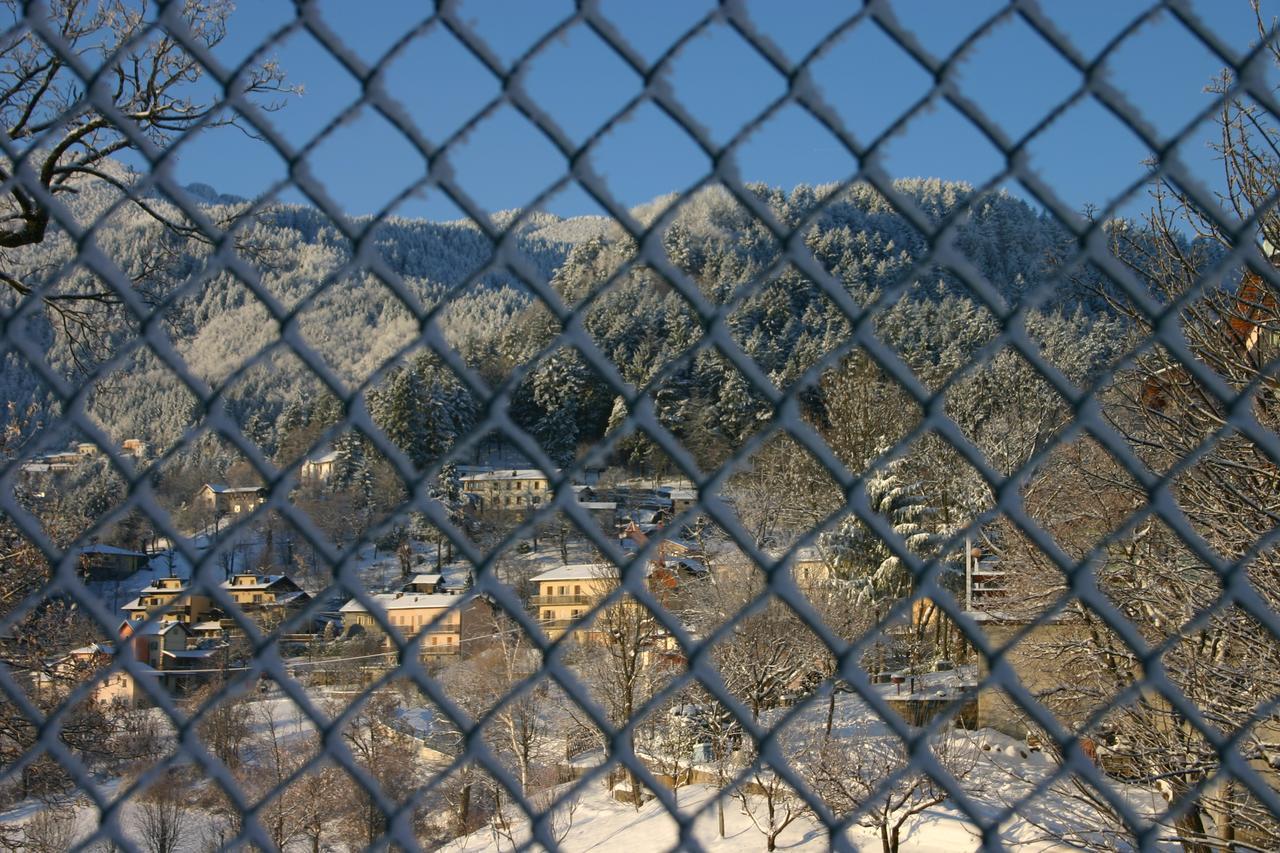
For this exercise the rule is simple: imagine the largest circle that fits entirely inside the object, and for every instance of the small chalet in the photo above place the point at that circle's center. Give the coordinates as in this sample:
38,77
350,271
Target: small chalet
681,499
426,584
170,601
318,467
267,599
108,563
230,500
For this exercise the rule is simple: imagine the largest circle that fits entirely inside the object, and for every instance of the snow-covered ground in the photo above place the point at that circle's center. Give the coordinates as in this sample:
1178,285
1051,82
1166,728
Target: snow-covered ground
1004,773
601,823
998,773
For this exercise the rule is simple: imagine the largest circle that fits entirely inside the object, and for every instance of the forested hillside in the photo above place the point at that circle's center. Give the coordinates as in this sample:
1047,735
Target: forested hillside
356,323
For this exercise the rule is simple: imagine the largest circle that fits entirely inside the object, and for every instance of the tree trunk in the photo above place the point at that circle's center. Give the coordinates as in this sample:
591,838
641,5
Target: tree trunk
831,710
720,811
464,809
1190,828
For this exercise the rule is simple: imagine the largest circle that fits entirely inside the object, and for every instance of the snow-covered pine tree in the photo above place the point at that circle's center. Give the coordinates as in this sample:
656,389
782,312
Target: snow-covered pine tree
864,560
401,411
349,448
451,496
557,432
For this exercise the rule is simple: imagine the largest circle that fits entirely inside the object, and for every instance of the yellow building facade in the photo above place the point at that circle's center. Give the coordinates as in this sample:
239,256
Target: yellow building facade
444,631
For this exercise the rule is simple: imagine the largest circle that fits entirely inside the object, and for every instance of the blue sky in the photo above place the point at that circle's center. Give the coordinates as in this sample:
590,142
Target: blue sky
1013,75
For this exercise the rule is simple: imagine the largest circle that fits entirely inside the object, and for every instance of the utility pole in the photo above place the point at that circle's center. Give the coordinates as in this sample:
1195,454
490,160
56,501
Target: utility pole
968,574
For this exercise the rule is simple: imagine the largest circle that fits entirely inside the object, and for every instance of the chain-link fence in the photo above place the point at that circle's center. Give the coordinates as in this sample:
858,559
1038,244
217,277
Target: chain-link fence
874,513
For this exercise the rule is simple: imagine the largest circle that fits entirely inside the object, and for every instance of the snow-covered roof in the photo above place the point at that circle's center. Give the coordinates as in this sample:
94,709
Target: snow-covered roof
505,474
683,494
599,505
688,564
577,571
418,720
402,601
135,604
259,582
426,578
220,489
322,457
808,554
91,649
207,626
110,550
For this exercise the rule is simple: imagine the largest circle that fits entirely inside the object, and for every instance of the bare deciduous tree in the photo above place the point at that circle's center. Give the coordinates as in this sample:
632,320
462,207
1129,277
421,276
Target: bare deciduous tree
163,817
873,774
616,656
63,134
769,803
50,830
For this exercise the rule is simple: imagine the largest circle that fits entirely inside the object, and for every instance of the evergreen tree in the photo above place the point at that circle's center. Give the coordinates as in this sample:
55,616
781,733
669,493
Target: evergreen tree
557,432
863,559
349,449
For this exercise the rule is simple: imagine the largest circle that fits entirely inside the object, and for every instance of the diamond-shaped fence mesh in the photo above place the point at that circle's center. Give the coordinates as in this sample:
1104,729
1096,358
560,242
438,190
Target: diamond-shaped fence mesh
875,513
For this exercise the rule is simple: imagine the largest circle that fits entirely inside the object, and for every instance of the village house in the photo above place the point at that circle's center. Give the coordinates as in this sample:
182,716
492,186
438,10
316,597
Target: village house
170,601
604,512
565,593
444,631
108,563
269,600
135,448
61,461
160,650
317,468
53,463
424,583
230,500
809,568
508,490
681,499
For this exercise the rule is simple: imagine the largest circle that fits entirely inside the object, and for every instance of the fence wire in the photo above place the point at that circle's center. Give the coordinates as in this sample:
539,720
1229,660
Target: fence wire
1233,746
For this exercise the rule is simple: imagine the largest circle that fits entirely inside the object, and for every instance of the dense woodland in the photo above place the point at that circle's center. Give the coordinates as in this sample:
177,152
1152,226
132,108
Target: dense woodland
365,330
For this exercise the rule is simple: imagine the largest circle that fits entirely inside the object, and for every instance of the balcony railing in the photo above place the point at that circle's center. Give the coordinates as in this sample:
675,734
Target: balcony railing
560,600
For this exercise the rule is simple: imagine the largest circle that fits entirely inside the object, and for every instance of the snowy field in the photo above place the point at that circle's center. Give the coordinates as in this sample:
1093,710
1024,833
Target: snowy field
1004,774
999,774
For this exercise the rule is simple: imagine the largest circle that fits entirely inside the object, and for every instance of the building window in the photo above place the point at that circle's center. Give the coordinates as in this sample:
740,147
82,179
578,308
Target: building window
577,589
548,615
